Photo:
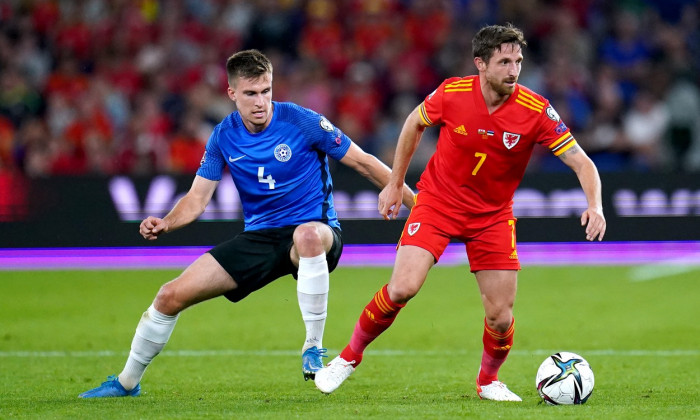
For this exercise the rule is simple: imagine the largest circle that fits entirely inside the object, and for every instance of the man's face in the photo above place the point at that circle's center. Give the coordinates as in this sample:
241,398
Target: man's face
503,68
253,98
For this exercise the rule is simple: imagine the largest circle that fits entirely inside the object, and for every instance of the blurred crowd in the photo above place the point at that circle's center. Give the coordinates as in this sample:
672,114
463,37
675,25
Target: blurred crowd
136,86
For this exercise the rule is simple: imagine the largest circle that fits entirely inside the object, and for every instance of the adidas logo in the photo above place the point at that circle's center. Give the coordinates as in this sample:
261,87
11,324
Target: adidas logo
513,255
461,130
504,348
370,315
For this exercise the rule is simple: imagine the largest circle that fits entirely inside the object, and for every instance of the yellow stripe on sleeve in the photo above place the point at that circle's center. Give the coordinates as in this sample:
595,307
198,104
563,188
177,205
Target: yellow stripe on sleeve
565,147
526,105
531,98
559,140
460,83
424,115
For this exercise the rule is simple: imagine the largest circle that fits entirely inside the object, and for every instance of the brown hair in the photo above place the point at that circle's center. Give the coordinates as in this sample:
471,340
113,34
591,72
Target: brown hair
490,39
248,64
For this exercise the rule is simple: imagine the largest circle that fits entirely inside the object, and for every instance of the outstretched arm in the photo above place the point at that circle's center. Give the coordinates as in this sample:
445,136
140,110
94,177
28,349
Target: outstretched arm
185,211
411,133
576,159
377,172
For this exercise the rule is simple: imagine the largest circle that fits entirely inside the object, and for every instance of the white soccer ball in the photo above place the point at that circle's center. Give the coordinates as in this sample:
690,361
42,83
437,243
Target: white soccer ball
564,378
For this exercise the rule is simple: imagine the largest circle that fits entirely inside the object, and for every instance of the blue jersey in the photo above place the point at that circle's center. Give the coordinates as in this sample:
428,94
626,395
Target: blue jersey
281,173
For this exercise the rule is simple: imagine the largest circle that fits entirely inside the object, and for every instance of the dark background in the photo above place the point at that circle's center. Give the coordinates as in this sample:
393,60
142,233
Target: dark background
79,211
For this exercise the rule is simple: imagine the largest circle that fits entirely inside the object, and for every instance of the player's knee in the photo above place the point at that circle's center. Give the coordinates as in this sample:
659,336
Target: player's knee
500,320
307,237
401,293
307,234
167,300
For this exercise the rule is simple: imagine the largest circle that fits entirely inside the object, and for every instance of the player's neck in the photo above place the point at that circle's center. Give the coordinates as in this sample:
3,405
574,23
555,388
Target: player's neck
493,99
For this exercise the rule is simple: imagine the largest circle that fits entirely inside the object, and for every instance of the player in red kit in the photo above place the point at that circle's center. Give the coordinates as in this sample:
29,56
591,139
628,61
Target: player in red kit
489,126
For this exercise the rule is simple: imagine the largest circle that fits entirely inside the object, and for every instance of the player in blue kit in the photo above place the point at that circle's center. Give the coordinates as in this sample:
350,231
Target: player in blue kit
277,155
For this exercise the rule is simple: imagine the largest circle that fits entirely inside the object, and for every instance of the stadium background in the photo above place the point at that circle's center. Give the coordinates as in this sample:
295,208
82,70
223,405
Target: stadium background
104,109
99,93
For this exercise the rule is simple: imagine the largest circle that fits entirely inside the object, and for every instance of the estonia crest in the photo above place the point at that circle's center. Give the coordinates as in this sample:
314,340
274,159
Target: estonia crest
283,153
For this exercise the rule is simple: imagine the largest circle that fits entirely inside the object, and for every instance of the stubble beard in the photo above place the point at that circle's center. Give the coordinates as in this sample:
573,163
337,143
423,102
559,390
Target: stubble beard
501,88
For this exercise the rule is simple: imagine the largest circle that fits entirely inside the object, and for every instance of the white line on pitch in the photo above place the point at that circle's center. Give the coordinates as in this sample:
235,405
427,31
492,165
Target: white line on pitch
285,353
656,271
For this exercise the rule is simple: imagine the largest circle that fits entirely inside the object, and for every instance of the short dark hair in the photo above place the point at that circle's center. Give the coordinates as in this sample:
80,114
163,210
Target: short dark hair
490,39
248,64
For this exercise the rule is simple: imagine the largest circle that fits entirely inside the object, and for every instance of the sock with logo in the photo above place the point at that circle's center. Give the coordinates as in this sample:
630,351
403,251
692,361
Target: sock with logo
377,316
496,348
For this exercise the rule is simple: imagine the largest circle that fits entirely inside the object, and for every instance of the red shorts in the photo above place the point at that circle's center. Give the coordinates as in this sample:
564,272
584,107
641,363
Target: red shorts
489,240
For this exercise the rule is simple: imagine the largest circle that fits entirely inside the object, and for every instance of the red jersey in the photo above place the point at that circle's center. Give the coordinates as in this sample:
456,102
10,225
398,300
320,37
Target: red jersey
481,157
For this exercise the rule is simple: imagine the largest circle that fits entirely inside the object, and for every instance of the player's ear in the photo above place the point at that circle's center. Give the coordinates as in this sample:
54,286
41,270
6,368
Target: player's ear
231,93
479,63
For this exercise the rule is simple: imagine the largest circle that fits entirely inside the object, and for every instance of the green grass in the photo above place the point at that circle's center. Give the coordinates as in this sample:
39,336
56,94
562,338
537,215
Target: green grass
63,332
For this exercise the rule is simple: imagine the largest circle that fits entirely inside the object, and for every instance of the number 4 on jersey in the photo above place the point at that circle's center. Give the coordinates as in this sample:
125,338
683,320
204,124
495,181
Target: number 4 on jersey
265,180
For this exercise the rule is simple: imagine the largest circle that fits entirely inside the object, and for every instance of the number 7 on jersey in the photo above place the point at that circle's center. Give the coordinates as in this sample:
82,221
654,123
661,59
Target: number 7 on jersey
482,158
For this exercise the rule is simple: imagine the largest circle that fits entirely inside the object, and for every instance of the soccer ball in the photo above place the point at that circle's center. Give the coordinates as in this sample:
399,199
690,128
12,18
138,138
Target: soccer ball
564,378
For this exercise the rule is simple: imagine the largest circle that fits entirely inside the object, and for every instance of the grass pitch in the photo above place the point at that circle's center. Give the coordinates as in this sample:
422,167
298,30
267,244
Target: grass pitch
63,332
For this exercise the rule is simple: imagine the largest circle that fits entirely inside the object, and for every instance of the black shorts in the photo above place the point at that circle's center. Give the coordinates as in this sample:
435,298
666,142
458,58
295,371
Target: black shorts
256,258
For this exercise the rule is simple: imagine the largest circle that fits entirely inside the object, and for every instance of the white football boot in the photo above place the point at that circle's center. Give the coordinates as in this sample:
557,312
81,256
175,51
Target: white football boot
333,375
496,391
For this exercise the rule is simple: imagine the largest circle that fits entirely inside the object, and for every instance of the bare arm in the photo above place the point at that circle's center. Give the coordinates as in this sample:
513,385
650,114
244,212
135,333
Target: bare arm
373,169
593,218
185,211
411,133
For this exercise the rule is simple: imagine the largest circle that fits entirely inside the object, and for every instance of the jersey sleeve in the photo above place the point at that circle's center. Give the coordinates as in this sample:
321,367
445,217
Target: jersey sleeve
213,162
431,108
330,139
554,134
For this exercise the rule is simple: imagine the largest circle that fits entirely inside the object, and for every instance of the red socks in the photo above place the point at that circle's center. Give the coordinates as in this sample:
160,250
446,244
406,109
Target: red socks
381,312
496,348
377,316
